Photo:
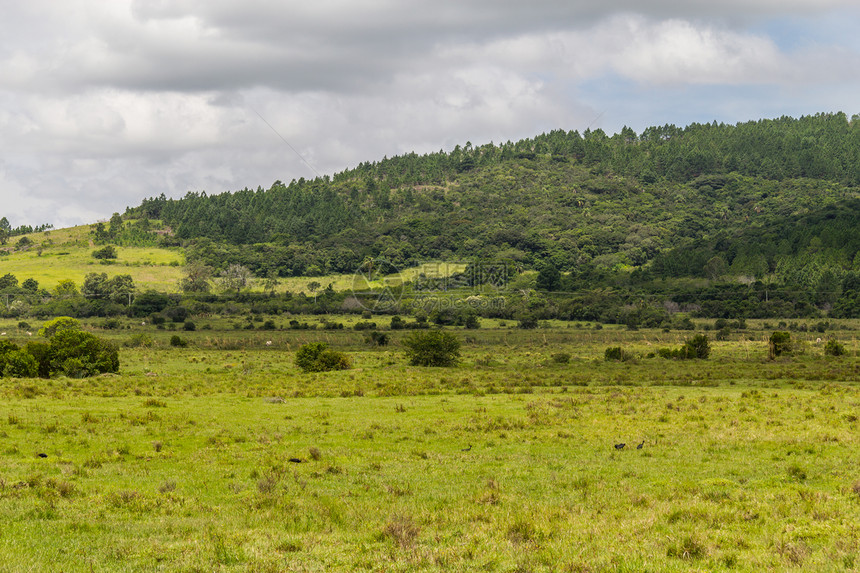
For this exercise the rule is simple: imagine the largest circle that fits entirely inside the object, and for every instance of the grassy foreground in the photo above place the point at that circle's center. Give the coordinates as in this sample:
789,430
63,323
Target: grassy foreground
505,463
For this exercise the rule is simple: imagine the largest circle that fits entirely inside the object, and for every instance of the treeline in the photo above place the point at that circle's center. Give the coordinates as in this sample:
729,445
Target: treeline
7,231
772,201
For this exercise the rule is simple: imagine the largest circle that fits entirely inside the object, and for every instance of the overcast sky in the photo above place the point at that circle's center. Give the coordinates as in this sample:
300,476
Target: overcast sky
104,103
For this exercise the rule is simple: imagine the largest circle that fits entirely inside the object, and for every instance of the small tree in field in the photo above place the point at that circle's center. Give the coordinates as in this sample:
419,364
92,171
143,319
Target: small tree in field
779,343
432,348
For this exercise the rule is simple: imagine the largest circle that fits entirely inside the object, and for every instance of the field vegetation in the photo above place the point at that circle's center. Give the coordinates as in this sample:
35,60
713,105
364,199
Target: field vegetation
220,454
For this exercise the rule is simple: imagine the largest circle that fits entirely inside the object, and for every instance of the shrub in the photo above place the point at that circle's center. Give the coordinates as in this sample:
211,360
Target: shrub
107,252
20,364
834,348
178,341
696,347
779,343
614,353
364,326
376,338
59,324
528,322
316,357
432,348
177,313
189,326
78,354
561,358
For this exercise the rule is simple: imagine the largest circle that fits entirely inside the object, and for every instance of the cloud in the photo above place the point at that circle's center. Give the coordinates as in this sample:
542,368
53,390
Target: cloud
104,103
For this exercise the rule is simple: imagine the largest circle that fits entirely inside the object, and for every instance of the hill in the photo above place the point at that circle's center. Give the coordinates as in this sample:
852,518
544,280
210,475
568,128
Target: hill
756,219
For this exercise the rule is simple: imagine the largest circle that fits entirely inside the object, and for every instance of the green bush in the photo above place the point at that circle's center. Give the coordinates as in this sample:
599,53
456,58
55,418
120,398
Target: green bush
178,341
107,252
79,354
59,324
614,353
316,357
432,348
20,364
696,347
779,343
834,348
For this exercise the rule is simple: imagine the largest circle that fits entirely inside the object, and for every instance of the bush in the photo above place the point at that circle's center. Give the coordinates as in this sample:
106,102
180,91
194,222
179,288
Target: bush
377,338
189,326
177,313
834,348
20,364
696,347
316,357
614,353
779,343
78,354
178,341
432,348
107,252
59,324
561,358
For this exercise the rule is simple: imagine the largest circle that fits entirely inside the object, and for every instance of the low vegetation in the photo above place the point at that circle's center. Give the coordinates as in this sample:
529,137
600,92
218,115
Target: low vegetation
221,454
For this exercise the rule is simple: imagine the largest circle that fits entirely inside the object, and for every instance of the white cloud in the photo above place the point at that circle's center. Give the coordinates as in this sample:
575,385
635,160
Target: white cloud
104,103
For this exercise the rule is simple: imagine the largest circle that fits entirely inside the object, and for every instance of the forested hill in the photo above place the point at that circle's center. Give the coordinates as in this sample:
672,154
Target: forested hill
707,200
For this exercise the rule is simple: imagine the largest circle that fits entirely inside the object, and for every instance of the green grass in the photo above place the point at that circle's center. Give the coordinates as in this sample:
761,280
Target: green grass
504,463
67,254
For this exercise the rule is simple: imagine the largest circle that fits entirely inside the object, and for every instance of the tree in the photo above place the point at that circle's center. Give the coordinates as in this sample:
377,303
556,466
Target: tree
779,343
8,282
313,286
120,288
549,278
271,282
30,284
115,227
432,348
66,287
197,278
236,277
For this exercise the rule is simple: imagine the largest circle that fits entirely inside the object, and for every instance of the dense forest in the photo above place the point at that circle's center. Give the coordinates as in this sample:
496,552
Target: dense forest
770,205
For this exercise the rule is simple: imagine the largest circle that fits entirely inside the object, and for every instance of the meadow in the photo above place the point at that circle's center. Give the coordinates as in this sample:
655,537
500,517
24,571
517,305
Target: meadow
505,462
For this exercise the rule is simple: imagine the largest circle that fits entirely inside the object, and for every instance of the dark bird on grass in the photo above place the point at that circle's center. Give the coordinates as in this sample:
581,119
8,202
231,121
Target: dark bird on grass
467,449
296,460
620,446
42,455
639,447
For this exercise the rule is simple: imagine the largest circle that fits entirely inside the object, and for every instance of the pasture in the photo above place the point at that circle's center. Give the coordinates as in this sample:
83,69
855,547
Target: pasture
506,462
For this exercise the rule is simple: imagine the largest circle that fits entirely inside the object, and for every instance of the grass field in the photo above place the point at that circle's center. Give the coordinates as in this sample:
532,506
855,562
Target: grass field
61,254
503,463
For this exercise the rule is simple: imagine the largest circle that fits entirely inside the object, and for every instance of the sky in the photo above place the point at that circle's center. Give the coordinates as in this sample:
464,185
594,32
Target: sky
103,104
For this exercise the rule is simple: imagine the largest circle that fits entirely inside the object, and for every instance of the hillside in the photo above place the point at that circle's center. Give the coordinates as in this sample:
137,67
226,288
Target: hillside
575,201
758,219
51,256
